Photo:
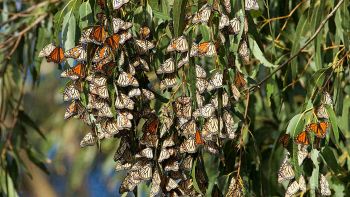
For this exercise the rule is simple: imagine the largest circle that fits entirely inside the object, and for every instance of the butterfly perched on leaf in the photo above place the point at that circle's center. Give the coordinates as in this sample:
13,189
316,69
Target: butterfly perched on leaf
302,138
52,53
319,129
284,140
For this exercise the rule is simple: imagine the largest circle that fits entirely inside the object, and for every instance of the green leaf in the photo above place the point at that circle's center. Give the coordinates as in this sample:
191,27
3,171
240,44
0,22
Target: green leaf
179,13
161,15
193,175
258,54
331,161
69,28
85,13
22,116
333,120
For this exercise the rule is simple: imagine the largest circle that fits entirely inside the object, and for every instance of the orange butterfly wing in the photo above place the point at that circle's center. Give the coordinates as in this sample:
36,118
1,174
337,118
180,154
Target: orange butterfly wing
319,129
203,47
239,80
79,70
98,34
57,55
151,126
113,41
302,138
199,139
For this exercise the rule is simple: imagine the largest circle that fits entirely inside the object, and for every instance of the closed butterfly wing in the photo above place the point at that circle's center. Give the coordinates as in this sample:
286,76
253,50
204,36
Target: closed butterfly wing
113,41
71,92
168,82
126,79
119,24
215,81
149,95
205,111
100,91
199,139
151,125
73,109
168,142
187,163
285,171
145,153
105,111
143,46
47,50
234,26
203,15
85,36
178,44
302,153
125,36
88,140
144,32
227,5
251,5
302,183
134,92
167,67
324,186
234,189
235,92
166,153
188,146
243,52
224,100
98,80
224,21
102,53
229,125
240,82
292,189
117,4
201,85
124,102
200,72
171,165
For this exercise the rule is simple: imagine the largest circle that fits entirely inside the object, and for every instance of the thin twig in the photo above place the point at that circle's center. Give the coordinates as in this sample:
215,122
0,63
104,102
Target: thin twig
301,49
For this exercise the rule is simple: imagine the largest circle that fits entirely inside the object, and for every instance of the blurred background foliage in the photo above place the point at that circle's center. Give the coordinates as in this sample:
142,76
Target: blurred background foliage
40,153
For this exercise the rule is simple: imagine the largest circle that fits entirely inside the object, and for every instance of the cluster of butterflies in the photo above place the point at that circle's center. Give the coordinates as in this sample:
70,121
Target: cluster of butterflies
109,91
319,130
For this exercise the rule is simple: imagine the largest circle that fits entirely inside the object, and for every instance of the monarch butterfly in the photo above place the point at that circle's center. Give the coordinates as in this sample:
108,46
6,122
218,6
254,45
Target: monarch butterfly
122,166
73,109
229,125
125,36
251,5
321,112
224,21
224,100
186,164
126,79
155,186
243,52
302,153
52,53
166,153
85,36
319,129
98,34
144,32
71,92
203,49
119,3
102,53
123,120
178,44
182,107
78,53
148,94
302,138
188,146
78,71
302,183
88,140
235,92
105,111
142,62
171,165
234,26
167,67
227,6
327,99
285,171
134,92
143,46
292,189
124,147
167,83
119,24
96,79
184,60
246,25
101,91
189,129
200,72
149,140
235,188
240,82
171,184
111,127
211,127
167,122
215,81
151,125
124,102
206,111
284,140
211,147
198,138
101,3
168,142
201,85
203,15
145,153
113,41
324,186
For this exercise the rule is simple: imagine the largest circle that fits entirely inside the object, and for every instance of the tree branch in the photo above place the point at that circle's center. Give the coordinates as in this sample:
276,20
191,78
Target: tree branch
300,50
